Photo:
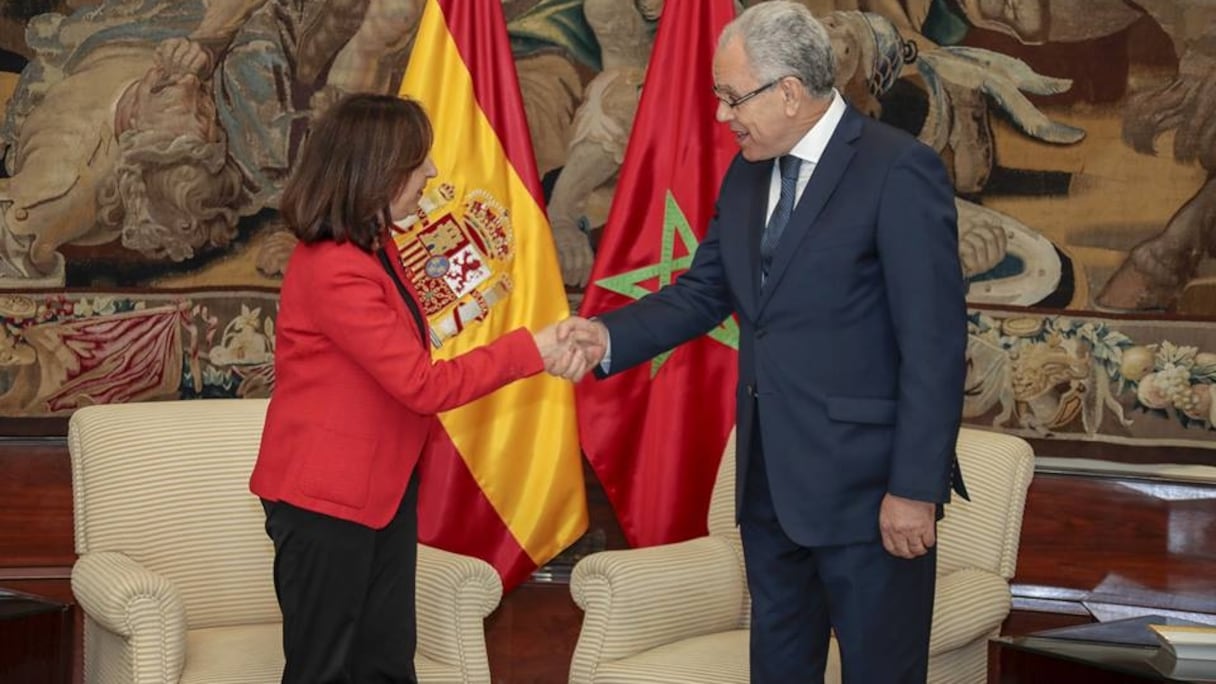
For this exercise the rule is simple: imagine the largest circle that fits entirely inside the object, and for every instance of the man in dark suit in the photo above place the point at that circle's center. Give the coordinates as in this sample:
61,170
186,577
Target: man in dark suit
835,242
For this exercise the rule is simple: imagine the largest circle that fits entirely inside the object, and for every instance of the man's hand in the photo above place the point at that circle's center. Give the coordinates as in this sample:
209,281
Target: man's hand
591,338
982,247
908,526
573,254
182,56
561,356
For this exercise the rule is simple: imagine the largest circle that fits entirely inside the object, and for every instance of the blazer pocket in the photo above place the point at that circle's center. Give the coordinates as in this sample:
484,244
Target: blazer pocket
336,467
862,410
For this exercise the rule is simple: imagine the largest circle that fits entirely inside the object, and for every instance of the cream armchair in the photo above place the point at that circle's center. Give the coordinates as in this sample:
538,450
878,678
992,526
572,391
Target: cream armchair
679,612
174,568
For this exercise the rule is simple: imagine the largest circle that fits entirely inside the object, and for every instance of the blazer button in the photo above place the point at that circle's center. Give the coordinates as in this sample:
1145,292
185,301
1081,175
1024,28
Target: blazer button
760,333
751,391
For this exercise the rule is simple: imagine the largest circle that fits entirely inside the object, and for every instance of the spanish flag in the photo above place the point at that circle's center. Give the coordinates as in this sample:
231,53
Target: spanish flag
504,480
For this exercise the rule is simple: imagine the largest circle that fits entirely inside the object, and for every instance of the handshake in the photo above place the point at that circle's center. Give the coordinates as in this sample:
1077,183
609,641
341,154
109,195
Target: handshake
572,347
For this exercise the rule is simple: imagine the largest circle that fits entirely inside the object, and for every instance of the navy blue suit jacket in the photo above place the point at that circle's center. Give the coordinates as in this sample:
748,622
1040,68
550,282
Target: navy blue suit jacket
853,351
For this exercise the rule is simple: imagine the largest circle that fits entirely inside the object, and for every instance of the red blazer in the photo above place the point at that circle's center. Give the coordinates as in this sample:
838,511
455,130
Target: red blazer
356,390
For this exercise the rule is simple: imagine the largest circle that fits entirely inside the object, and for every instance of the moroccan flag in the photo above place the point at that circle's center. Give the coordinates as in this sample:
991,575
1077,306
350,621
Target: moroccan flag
504,479
655,434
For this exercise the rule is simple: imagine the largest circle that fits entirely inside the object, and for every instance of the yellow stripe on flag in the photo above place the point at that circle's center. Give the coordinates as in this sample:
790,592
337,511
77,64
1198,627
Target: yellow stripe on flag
520,443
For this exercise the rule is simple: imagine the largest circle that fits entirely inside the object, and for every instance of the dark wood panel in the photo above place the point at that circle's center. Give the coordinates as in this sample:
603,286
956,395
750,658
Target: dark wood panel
36,536
33,427
35,640
1122,453
1022,622
531,636
56,588
40,633
53,583
1108,540
36,508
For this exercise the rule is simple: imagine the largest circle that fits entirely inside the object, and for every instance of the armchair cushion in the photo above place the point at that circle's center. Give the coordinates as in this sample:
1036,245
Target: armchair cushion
174,573
123,596
234,655
254,653
969,604
664,613
644,598
455,594
707,658
137,606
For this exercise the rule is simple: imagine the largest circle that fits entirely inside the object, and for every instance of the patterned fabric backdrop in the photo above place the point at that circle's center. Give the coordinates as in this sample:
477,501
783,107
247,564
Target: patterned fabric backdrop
145,143
59,352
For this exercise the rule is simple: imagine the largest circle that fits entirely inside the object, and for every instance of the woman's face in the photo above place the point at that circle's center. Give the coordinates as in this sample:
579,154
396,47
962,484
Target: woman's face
406,200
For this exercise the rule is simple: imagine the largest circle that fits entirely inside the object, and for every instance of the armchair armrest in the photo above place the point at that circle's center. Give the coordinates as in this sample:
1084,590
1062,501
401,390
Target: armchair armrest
455,594
138,605
969,604
639,599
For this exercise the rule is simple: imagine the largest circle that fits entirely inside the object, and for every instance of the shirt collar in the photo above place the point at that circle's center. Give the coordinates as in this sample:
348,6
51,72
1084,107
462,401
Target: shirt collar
810,148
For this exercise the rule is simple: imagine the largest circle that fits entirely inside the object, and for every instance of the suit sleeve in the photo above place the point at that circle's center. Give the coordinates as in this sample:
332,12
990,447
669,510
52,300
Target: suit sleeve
918,250
698,301
351,308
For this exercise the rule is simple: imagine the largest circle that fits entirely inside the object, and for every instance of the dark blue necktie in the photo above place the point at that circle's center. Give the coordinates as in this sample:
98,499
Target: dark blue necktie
781,213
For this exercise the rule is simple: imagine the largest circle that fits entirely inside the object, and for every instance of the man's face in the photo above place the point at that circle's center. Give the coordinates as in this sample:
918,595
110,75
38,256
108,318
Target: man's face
650,9
1025,20
406,201
760,123
173,103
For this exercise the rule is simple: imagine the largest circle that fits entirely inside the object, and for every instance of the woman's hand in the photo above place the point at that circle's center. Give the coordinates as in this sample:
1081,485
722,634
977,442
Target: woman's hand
562,358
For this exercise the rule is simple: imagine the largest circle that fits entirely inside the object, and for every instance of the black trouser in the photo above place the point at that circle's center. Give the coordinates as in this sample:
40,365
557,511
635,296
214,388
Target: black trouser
347,594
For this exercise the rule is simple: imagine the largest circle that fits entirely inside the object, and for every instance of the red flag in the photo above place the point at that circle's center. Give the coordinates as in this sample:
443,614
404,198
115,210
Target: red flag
654,434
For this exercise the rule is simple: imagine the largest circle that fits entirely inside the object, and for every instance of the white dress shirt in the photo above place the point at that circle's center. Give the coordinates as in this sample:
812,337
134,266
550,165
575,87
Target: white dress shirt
810,150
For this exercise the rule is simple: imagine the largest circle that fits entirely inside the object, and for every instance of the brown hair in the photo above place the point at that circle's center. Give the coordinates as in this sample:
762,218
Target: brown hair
357,156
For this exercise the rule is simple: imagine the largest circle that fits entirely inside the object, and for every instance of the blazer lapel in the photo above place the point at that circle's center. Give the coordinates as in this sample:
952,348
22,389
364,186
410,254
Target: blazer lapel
387,256
824,180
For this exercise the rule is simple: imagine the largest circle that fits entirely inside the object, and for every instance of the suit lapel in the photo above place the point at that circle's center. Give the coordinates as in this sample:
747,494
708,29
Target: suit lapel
755,219
824,180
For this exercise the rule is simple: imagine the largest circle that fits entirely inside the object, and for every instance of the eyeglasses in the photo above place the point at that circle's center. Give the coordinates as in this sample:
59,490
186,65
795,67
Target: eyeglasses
735,103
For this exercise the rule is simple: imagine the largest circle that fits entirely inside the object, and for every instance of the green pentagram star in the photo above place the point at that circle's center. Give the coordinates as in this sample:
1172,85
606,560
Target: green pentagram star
629,283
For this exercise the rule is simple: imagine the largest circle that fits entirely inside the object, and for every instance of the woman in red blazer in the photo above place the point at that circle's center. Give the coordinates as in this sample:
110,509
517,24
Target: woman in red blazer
356,393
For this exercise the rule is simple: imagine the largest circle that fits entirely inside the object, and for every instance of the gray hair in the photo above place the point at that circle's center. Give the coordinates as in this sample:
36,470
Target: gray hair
188,182
782,38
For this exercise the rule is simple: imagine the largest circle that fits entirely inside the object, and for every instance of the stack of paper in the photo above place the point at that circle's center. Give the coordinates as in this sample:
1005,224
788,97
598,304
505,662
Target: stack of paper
1187,652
